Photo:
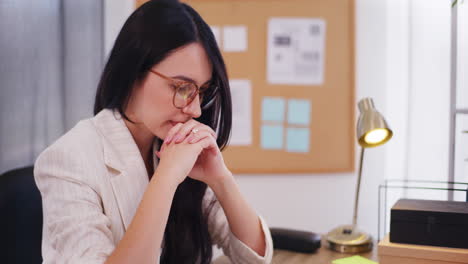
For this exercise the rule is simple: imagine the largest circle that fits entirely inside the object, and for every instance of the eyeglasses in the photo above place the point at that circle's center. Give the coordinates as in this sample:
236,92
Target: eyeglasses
186,91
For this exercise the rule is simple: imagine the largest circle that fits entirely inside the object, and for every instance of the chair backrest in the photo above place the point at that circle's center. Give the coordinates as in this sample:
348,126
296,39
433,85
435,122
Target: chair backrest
20,217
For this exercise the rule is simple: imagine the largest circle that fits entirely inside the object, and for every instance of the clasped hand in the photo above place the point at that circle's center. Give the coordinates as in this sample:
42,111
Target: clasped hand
190,149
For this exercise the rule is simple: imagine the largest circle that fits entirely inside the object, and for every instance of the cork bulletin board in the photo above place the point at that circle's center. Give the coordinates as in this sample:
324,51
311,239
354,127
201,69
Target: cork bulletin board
325,142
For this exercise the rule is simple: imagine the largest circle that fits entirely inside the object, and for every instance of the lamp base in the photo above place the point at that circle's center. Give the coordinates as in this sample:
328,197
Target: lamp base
348,239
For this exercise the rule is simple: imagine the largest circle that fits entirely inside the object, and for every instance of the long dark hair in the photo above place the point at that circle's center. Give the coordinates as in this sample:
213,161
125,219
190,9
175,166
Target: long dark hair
148,36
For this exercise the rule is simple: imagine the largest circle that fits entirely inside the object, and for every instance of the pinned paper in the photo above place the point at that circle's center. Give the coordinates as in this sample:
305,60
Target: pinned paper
235,38
297,140
241,96
299,112
272,137
354,260
273,109
296,51
217,34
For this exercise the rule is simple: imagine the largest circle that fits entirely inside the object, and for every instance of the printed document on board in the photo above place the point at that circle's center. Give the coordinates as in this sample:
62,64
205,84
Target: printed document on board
296,51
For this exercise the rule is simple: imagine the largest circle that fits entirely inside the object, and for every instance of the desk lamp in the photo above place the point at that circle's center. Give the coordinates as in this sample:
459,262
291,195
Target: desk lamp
372,131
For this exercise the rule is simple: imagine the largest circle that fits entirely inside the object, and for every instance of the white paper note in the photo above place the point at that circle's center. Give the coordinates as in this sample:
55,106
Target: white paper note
217,33
235,38
296,51
241,93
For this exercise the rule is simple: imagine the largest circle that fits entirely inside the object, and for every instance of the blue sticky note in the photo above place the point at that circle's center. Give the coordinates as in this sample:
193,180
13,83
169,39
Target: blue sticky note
299,112
297,139
272,137
273,109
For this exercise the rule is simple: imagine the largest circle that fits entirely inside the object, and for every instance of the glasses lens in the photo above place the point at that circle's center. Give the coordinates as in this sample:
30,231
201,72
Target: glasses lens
208,96
185,94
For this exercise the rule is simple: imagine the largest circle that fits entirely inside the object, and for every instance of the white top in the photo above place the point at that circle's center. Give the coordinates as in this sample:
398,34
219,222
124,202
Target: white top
92,180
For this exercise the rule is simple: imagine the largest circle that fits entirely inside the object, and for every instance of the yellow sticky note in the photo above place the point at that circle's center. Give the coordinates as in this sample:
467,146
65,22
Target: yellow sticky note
354,260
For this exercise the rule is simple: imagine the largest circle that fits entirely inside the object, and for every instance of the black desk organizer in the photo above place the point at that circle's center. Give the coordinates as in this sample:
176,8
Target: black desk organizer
430,222
459,187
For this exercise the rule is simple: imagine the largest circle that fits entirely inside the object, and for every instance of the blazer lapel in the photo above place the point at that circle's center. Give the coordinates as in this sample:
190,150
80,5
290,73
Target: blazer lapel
128,175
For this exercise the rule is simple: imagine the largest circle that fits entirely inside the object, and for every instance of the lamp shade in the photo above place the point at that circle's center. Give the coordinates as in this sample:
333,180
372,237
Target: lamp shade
372,129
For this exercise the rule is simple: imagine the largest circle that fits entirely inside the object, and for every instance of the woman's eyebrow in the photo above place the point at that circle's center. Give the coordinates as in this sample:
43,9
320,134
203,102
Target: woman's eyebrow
188,79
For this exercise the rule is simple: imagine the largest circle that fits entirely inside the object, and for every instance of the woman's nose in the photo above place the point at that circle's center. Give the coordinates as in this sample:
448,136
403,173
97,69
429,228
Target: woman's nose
193,109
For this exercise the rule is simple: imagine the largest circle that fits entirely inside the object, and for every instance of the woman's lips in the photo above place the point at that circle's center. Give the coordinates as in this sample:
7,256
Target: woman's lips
173,123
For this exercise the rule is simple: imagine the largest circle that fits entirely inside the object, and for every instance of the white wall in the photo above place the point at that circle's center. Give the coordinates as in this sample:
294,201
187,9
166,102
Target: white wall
397,72
418,78
115,14
461,158
429,85
462,96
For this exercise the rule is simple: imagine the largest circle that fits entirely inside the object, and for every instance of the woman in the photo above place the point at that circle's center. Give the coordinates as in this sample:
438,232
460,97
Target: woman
114,192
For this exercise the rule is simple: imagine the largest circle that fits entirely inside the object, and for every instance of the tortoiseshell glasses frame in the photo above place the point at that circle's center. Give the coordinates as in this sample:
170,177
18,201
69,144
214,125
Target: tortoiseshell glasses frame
186,91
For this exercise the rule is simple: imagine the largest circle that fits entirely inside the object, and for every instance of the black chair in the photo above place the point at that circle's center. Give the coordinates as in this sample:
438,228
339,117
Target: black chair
20,217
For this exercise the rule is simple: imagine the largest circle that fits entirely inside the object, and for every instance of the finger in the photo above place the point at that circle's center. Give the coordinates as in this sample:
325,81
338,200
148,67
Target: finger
202,126
194,138
205,127
172,132
202,129
208,143
185,130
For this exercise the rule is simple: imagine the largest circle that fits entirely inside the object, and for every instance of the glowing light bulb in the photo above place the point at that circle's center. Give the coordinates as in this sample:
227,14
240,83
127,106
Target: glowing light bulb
376,136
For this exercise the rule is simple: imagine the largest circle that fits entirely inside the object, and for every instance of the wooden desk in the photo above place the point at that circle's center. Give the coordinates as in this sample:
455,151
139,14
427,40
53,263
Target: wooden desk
322,256
419,254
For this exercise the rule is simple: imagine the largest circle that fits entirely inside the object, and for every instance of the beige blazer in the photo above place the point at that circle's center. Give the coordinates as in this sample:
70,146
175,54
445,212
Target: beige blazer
92,180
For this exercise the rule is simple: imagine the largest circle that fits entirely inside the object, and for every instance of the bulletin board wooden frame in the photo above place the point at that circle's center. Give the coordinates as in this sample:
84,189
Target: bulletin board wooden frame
332,125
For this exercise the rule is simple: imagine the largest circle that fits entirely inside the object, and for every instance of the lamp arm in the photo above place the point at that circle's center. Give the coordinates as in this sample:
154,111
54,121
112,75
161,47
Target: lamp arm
358,186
